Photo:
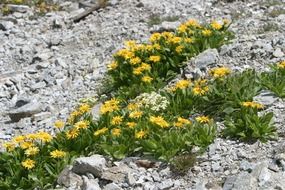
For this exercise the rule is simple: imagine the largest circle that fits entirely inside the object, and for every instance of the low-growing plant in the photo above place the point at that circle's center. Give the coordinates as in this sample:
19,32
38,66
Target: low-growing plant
140,67
226,93
247,125
274,81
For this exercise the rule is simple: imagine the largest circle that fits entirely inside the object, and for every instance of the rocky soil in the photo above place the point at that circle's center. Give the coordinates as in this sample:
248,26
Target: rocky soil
47,63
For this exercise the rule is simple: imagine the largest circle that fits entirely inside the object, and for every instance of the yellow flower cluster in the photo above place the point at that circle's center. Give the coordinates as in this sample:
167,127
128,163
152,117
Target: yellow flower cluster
203,119
136,114
252,105
112,66
181,122
110,106
116,132
159,121
281,65
200,87
216,25
220,72
182,84
147,79
154,58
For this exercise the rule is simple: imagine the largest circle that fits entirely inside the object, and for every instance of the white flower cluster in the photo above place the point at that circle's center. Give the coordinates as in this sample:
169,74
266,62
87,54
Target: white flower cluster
153,101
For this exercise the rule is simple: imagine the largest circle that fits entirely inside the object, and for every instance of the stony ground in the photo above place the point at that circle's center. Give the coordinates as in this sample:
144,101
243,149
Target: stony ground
47,63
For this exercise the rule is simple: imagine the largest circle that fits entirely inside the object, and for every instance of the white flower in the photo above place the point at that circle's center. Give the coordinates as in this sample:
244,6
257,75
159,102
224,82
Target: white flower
153,101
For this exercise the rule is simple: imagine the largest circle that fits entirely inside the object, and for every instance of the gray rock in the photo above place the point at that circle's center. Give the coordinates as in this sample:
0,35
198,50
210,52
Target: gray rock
246,166
6,25
96,110
25,109
18,8
206,58
112,186
165,26
266,98
117,174
216,166
130,179
167,184
90,184
278,53
38,85
94,164
264,176
67,178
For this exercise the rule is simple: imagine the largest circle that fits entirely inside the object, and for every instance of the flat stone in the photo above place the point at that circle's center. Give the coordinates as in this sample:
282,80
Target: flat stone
278,53
167,184
18,8
67,178
112,186
6,25
266,98
94,164
117,174
90,184
26,110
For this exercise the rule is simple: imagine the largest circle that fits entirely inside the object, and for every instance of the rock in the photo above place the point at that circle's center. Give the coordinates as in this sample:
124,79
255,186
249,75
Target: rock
112,186
246,166
24,109
278,53
6,25
67,178
243,181
266,98
96,110
18,8
165,26
130,179
94,164
38,85
167,184
216,166
117,174
264,176
90,184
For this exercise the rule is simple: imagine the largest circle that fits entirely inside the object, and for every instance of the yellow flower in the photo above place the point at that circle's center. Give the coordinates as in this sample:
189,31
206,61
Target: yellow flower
44,136
19,139
140,134
32,151
26,144
117,120
112,66
131,124
10,146
181,122
28,164
189,40
182,84
155,37
84,108
136,114
72,133
154,58
220,72
135,61
252,105
116,132
147,79
226,21
31,136
216,25
175,40
281,65
132,106
156,46
203,119
58,124
101,131
159,121
57,154
182,28
206,32
193,23
130,43
167,35
110,106
82,125
198,90
137,71
127,54
145,67
179,49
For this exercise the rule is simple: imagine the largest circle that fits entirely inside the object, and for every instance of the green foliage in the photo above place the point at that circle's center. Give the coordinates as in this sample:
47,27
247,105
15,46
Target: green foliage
249,126
226,94
274,81
140,67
